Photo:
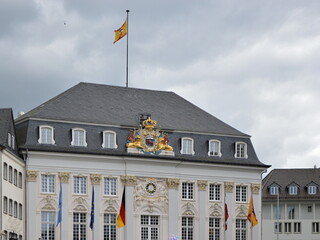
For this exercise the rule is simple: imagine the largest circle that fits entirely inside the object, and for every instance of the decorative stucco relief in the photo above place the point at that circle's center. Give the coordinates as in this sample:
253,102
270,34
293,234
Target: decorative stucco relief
64,177
215,210
151,194
255,188
241,211
202,185
32,175
129,180
95,178
228,186
173,183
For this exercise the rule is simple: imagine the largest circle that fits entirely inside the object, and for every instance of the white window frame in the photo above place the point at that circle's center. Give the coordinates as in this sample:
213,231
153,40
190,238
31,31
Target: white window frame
274,190
312,189
287,227
214,148
15,177
187,190
215,228
13,142
110,185
241,229
5,171
109,226
109,143
315,227
48,225
241,150
5,205
79,223
9,140
80,185
297,227
44,134
78,140
241,193
185,149
214,192
293,189
291,212
150,224
278,227
48,183
187,228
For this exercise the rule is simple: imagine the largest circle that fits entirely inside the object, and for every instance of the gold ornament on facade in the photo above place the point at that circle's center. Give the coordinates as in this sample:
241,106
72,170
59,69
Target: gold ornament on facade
64,177
228,186
202,185
95,178
173,183
148,139
32,175
128,180
255,188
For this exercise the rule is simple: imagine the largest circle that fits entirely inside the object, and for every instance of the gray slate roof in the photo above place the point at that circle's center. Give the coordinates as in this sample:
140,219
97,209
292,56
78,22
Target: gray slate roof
284,177
6,126
112,105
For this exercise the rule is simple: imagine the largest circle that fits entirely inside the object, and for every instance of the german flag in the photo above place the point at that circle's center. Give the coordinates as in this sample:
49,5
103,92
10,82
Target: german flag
121,32
121,219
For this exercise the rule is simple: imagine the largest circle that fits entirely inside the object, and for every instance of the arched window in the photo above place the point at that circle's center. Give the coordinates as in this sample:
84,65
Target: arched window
187,146
46,135
109,139
241,150
214,148
79,137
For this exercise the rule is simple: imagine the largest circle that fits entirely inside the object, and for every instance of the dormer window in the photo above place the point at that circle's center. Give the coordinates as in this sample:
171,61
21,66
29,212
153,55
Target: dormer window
46,135
274,190
241,150
187,146
79,137
312,188
293,189
109,139
214,148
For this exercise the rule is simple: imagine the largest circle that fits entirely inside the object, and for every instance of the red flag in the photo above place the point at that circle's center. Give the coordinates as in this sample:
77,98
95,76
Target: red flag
226,216
121,219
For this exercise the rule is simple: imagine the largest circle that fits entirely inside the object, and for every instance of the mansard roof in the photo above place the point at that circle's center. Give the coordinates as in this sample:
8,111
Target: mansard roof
286,177
121,106
7,126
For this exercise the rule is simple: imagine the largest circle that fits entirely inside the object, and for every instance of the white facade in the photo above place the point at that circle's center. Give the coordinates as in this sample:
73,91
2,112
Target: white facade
153,188
12,195
297,220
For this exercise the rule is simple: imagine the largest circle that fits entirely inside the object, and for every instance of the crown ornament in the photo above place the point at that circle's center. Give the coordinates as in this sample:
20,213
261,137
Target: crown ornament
149,123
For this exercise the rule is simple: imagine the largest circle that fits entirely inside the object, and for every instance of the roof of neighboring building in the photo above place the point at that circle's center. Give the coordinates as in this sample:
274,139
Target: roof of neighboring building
121,106
6,126
285,177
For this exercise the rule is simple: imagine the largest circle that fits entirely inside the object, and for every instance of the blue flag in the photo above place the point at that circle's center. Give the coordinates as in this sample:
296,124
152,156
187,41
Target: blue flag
92,209
60,206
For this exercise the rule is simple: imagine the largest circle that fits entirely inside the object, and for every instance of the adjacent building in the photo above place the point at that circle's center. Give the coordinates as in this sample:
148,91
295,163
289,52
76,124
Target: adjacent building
178,165
291,204
11,181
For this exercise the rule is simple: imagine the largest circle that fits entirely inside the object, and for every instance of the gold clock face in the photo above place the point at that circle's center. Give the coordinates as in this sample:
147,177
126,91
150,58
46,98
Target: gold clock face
151,188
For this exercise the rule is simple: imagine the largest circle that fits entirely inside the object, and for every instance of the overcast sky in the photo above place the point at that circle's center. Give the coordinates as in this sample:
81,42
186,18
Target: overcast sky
253,64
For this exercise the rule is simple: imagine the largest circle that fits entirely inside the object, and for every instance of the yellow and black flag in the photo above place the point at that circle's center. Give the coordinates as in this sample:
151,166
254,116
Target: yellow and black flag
121,32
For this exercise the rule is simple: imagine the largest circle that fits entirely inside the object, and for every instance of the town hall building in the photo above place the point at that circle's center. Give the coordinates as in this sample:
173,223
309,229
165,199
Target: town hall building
179,166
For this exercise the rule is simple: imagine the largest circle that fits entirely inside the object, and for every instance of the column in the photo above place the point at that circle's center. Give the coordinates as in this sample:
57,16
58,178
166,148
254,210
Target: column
129,182
64,226
228,199
30,205
96,231
173,216
202,203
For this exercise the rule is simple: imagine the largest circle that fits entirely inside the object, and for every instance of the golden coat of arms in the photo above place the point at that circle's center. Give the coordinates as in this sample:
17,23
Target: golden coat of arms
148,139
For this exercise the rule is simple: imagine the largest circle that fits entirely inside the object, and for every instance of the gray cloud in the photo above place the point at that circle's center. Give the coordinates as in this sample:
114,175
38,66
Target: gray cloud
254,65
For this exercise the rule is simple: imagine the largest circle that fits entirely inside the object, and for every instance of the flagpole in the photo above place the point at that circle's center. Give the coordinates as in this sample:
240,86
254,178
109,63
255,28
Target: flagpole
127,68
